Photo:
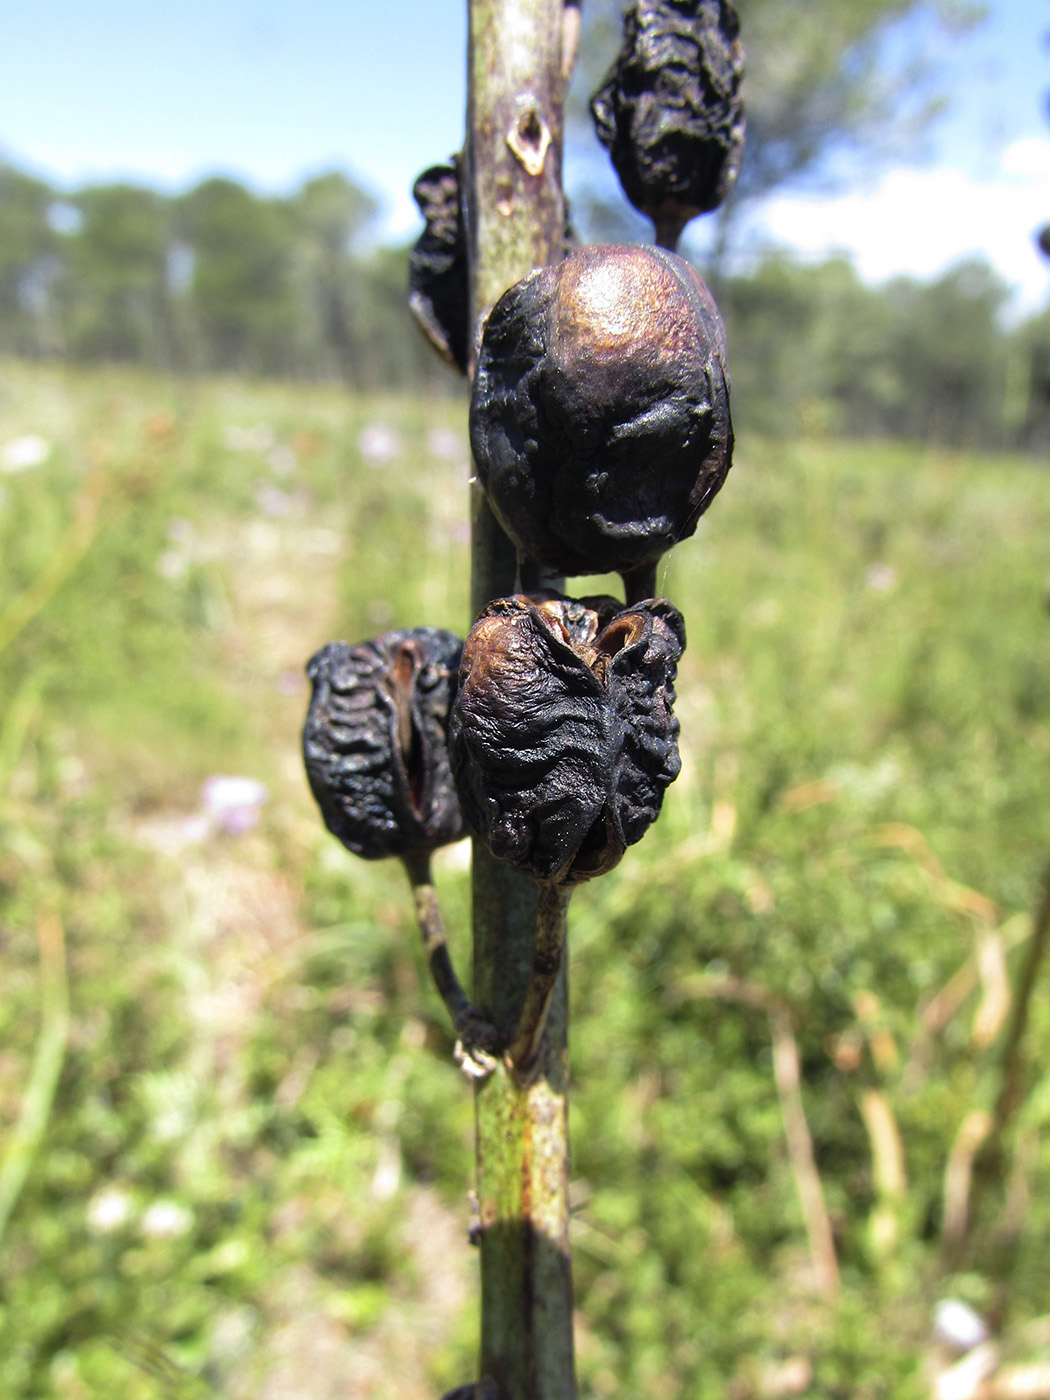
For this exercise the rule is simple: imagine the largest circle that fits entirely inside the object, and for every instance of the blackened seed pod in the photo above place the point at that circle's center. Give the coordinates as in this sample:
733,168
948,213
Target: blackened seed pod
375,742
438,280
600,418
670,113
563,736
437,266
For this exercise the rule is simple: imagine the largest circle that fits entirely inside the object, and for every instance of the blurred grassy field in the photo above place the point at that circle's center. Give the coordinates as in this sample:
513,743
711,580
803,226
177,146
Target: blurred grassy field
234,1151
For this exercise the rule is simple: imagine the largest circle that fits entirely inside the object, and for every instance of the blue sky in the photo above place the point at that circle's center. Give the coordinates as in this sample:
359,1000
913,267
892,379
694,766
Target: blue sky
269,91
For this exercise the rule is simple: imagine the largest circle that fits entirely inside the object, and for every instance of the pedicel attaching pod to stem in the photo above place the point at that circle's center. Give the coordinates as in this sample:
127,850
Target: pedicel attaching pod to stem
670,113
375,745
599,418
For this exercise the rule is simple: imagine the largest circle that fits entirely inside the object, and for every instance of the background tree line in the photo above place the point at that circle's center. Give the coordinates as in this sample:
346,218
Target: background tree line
222,279
816,351
217,279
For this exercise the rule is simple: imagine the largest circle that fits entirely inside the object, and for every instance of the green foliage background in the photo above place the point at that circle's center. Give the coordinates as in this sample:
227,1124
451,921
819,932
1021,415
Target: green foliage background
252,1179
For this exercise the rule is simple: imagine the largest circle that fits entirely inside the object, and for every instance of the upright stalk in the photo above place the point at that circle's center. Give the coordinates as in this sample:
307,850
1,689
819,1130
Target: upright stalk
515,222
1012,1066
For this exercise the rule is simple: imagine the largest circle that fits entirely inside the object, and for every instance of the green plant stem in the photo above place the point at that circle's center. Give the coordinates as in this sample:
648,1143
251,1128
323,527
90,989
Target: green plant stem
515,222
522,1160
73,546
47,1065
547,956
979,1157
1012,1071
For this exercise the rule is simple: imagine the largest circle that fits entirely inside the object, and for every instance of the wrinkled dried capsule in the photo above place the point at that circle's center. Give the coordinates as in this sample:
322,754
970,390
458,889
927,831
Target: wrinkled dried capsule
438,293
438,283
600,412
670,113
375,742
563,736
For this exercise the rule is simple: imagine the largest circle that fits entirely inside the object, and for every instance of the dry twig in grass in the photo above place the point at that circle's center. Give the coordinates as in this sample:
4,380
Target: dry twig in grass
788,1076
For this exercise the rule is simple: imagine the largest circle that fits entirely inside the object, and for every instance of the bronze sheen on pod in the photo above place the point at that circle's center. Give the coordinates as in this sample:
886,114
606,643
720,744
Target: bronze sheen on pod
375,742
600,418
563,736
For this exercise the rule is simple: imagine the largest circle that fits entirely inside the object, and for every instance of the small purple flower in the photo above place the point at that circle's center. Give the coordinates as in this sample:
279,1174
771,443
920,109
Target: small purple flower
271,500
234,804
378,444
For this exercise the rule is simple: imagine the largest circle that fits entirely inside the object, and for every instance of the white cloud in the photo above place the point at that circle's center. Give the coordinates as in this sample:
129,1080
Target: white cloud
919,222
1028,158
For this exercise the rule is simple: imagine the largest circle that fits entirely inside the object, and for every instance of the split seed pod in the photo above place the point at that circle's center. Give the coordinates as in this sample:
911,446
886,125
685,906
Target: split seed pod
375,742
438,293
600,418
563,736
670,113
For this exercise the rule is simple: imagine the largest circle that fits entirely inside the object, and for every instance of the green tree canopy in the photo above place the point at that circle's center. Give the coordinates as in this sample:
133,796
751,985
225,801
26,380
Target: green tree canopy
821,76
28,262
814,350
334,212
115,279
241,286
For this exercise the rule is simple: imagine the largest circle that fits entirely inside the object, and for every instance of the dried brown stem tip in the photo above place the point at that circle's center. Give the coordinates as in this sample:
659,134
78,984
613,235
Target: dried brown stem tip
670,113
563,736
438,293
375,742
600,413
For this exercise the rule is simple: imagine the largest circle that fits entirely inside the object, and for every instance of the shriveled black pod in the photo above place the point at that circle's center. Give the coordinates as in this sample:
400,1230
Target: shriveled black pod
375,742
563,736
600,418
438,292
670,113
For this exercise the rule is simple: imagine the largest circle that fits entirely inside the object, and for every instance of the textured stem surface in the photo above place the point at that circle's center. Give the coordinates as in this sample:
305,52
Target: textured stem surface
547,959
1013,1065
476,1033
37,1101
991,1161
515,222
